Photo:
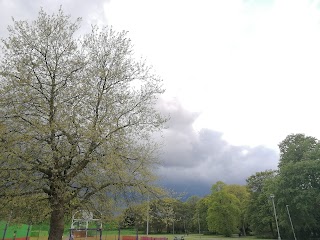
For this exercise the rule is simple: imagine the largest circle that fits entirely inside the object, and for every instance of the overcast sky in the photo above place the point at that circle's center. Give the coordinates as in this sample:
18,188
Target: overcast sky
240,75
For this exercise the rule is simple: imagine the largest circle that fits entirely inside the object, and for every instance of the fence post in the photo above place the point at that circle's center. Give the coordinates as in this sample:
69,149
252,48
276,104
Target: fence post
28,231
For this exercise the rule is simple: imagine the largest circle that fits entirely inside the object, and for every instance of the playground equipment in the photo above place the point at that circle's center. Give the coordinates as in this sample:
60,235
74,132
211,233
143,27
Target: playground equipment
81,224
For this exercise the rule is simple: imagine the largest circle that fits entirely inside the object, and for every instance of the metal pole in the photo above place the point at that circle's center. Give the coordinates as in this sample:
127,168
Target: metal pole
199,223
148,223
137,233
5,230
294,235
6,226
27,237
275,215
87,225
148,211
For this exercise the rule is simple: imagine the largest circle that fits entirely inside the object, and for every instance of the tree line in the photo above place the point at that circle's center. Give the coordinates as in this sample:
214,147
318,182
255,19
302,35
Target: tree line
294,188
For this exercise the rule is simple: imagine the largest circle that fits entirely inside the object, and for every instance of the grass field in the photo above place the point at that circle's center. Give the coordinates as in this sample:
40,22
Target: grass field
169,236
206,237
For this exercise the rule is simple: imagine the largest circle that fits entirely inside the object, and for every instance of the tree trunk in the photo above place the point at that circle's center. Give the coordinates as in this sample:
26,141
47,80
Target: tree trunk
243,230
56,223
271,229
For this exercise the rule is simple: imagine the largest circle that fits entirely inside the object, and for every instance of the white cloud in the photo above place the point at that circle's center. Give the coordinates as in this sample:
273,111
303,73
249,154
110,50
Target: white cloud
249,67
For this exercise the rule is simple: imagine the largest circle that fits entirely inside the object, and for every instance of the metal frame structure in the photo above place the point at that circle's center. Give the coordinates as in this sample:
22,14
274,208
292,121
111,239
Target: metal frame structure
82,224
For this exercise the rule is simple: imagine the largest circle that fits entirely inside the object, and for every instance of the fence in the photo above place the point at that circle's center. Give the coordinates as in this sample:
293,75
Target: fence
14,231
143,238
39,232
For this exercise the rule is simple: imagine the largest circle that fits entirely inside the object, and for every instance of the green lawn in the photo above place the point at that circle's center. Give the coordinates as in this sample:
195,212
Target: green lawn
113,235
194,236
169,236
205,237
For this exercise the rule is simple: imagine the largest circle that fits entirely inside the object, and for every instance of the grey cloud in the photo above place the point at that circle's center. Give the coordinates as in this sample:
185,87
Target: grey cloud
193,161
179,136
179,117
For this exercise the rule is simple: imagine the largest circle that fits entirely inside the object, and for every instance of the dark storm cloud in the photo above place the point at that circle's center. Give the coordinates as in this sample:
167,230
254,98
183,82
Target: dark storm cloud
90,11
193,161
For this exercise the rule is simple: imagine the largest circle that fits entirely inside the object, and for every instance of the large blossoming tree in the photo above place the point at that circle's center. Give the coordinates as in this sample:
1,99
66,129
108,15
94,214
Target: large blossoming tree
76,116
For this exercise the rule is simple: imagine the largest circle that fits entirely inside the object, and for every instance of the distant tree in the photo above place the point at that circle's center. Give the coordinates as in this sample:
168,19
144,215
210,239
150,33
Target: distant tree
299,186
243,195
257,181
295,147
163,214
223,211
156,224
200,215
259,212
189,209
135,217
169,213
218,186
76,117
179,223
